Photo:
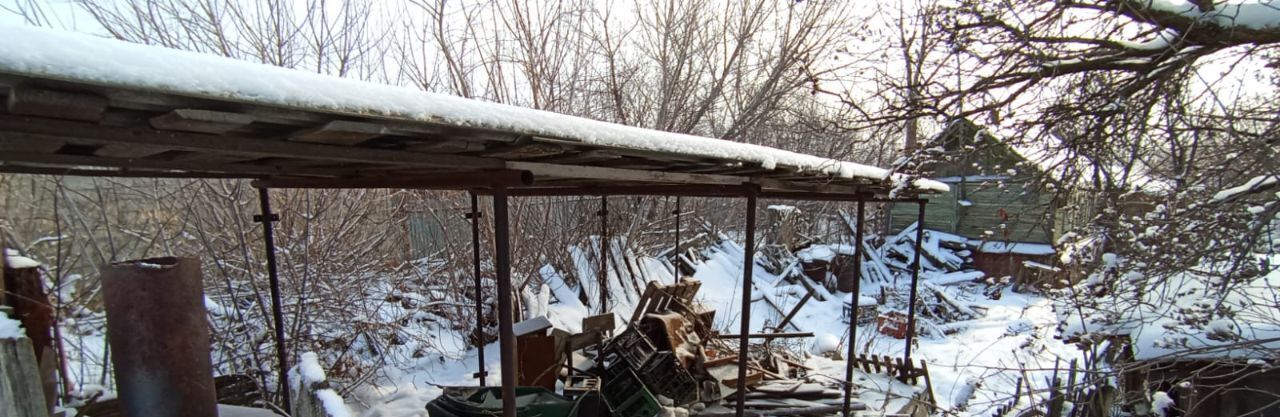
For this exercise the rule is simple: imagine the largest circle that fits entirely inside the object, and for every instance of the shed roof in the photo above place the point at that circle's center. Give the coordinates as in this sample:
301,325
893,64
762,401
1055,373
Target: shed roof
80,104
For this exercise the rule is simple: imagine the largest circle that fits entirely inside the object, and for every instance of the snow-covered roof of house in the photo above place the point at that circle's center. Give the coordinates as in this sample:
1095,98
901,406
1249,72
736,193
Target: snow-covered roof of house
82,104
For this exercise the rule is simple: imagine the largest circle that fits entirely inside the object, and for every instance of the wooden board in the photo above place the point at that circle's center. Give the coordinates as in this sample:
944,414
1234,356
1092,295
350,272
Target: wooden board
21,394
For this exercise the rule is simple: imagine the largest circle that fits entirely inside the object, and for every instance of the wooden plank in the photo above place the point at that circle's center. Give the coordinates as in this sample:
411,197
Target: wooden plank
525,151
150,164
617,174
200,121
20,392
32,101
445,146
124,150
583,158
18,144
52,129
340,132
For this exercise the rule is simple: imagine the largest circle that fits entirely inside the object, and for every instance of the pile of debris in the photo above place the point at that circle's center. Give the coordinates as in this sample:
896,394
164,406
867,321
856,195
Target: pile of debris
946,261
667,361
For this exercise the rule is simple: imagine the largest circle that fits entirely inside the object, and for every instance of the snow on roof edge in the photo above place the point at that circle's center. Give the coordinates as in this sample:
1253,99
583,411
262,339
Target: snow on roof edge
80,58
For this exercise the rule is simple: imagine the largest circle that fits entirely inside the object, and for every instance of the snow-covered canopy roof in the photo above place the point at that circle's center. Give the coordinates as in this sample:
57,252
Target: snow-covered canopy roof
81,104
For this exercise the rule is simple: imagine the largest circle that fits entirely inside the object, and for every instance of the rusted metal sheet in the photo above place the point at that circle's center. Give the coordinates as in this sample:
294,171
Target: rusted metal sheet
159,337
539,361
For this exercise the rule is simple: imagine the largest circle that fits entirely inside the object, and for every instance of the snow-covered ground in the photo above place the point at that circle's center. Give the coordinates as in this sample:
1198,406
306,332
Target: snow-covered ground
974,363
973,370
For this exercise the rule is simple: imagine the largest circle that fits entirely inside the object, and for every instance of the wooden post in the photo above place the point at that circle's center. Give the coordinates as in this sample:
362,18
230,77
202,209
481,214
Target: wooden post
31,306
20,390
159,337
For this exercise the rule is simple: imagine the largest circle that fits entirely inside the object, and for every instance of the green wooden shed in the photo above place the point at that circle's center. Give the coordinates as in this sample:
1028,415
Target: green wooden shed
991,195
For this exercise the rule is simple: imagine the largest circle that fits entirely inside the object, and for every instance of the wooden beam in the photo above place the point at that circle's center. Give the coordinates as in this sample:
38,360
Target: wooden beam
452,180
540,169
46,129
200,121
812,187
340,132
445,146
125,150
33,101
634,190
18,144
587,157
71,161
113,173
525,151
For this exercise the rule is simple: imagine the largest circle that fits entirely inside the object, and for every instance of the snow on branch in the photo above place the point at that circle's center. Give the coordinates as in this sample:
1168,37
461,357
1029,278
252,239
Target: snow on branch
1254,185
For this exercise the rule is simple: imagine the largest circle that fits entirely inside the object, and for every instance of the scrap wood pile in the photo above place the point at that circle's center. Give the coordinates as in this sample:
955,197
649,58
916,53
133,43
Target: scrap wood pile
946,263
668,352
667,361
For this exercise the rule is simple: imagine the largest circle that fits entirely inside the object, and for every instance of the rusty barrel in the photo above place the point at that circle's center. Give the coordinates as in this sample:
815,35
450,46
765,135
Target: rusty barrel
159,337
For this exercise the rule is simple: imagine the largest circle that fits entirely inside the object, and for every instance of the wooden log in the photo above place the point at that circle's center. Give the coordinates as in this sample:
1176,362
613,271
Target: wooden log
21,394
309,396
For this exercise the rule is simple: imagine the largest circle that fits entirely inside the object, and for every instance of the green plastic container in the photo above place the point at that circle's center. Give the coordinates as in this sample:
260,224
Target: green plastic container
628,397
487,402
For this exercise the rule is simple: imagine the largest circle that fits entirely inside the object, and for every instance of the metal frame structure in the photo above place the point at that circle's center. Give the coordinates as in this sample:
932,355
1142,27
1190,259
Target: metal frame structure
73,124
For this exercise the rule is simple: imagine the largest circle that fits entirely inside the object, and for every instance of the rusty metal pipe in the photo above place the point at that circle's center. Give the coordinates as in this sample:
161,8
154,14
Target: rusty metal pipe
853,311
268,219
748,267
506,314
159,337
915,282
475,259
604,253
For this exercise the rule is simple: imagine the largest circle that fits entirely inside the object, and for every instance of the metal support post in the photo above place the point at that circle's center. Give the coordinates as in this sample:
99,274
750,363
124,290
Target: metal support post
475,216
506,317
915,282
748,267
604,253
677,248
268,219
853,301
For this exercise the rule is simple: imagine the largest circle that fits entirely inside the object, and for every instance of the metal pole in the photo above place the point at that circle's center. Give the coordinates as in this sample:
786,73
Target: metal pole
475,260
506,336
748,266
677,248
268,219
915,281
604,253
853,300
